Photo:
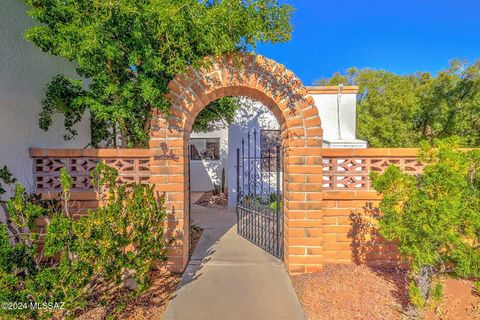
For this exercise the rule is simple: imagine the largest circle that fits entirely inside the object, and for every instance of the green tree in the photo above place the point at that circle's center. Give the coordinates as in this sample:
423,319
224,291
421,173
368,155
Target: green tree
450,104
403,110
216,115
434,217
126,52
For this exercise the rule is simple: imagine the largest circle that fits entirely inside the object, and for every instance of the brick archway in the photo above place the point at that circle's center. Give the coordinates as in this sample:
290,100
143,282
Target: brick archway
283,93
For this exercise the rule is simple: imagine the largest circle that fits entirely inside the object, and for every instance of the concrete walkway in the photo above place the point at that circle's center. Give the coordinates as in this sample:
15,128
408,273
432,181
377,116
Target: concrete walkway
229,278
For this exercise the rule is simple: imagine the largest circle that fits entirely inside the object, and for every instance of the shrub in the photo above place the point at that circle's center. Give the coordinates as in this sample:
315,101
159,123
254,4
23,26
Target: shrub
476,287
434,216
89,257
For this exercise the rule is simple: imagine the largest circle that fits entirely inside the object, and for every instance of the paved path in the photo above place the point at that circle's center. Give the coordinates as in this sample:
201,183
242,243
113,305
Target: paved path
229,278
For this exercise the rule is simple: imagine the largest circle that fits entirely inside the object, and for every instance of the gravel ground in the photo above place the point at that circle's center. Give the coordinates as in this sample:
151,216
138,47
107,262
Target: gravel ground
459,302
360,292
210,200
352,292
153,303
148,305
195,234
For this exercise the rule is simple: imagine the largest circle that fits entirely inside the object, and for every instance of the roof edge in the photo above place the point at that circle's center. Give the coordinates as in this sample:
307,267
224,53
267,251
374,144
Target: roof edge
332,89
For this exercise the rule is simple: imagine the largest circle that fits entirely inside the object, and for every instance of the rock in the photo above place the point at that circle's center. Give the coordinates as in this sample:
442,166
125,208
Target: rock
130,283
128,280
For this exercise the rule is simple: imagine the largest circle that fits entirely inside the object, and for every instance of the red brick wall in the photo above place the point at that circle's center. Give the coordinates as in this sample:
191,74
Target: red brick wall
350,230
350,204
329,205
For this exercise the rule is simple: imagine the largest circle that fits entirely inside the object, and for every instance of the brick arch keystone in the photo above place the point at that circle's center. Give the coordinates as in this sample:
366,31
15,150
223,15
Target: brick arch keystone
285,96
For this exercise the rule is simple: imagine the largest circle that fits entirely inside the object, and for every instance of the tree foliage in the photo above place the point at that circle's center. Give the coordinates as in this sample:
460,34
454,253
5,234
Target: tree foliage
434,216
216,115
403,110
130,49
88,258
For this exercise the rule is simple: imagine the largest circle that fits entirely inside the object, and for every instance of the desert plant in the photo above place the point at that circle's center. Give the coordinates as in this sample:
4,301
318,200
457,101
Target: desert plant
434,216
223,181
90,257
216,188
273,201
436,294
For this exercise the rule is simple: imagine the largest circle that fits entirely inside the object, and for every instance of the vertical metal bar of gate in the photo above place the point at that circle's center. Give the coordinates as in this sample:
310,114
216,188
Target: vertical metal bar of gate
254,186
259,210
248,193
243,177
277,209
271,241
238,189
255,162
189,197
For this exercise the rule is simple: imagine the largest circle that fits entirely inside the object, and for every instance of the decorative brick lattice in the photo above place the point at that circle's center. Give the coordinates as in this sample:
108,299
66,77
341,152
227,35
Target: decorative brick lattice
352,173
47,171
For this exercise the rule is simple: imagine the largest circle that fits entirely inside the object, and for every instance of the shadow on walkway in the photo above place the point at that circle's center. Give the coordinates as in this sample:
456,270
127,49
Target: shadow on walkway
228,277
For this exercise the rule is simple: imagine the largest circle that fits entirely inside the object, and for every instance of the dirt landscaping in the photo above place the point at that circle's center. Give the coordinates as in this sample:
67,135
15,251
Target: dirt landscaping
195,234
149,305
153,303
211,200
146,306
360,292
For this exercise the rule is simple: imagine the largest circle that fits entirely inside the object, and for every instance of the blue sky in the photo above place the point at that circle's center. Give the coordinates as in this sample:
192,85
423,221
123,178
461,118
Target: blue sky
400,36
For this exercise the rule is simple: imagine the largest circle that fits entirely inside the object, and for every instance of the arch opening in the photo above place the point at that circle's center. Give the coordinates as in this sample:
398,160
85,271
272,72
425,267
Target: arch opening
283,94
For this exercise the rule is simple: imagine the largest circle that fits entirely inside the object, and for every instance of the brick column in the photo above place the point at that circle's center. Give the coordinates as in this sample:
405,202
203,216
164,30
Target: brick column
168,167
302,205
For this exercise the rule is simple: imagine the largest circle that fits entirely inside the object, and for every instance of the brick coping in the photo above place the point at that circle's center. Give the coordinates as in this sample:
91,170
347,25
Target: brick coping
144,153
332,89
370,152
93,153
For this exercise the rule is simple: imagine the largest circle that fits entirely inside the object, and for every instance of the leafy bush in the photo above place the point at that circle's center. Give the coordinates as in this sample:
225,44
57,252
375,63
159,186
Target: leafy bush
476,287
434,216
272,201
89,257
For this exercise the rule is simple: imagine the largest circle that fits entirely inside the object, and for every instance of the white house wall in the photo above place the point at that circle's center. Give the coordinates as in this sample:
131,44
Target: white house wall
253,116
338,115
327,110
204,173
24,73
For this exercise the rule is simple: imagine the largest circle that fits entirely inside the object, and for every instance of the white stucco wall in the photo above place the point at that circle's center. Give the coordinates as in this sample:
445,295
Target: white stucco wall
204,173
338,115
327,110
252,116
24,73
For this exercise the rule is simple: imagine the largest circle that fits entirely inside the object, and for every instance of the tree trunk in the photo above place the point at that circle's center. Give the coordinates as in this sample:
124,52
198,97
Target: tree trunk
423,280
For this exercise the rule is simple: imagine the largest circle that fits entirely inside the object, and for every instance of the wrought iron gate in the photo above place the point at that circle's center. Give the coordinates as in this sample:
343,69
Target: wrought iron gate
259,193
